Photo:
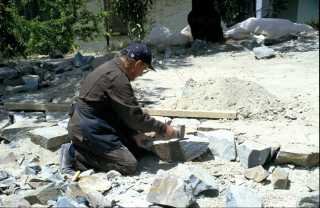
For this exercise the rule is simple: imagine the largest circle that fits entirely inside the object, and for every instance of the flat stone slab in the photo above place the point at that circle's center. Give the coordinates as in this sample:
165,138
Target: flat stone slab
309,200
239,196
299,155
180,150
10,132
95,183
280,179
179,186
252,154
222,144
43,194
49,137
258,174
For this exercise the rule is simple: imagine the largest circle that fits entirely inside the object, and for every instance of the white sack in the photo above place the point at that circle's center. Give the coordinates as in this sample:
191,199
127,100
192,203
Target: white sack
270,28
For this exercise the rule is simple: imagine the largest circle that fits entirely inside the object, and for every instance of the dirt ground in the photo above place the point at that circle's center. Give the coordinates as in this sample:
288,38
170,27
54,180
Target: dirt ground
277,100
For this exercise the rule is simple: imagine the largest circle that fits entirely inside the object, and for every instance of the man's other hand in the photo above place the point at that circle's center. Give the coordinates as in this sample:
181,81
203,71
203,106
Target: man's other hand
171,132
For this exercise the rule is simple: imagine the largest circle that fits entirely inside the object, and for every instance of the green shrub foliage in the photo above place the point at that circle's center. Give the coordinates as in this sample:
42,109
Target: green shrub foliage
45,26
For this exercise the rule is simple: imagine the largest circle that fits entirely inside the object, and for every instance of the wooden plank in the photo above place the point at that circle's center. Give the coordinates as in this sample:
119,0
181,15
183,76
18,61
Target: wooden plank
52,107
192,114
48,107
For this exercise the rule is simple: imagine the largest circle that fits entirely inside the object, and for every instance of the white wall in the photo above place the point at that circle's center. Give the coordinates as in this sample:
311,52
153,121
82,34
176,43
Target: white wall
170,13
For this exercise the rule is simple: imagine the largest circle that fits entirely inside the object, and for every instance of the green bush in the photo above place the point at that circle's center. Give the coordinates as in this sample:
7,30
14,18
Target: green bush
45,26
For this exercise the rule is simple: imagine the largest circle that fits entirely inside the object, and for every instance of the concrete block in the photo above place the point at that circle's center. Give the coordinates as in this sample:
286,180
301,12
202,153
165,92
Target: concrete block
239,196
299,155
49,137
222,144
252,154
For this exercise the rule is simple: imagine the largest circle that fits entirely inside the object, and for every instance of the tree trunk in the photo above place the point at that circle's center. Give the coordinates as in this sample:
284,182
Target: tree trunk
106,7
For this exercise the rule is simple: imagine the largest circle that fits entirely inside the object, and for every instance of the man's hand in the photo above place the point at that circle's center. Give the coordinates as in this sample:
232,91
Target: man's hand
172,132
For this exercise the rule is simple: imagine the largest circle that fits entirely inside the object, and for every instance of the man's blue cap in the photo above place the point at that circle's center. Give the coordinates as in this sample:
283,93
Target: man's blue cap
139,51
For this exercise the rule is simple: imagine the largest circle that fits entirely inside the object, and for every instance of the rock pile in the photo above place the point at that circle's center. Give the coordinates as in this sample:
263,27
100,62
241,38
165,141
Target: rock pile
32,75
26,181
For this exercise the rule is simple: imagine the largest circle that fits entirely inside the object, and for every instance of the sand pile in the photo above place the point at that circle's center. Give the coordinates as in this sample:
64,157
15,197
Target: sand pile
248,98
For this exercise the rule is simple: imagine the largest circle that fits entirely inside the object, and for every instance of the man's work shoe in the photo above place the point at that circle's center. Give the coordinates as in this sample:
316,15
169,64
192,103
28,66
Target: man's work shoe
67,159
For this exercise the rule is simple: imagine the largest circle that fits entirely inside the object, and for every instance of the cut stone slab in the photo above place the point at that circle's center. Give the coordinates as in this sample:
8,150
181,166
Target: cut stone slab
212,126
43,194
309,200
222,144
179,186
180,150
264,52
239,196
299,155
280,179
258,174
252,154
10,132
49,137
96,182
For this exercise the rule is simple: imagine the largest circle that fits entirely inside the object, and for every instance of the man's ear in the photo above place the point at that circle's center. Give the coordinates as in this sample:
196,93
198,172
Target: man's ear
139,64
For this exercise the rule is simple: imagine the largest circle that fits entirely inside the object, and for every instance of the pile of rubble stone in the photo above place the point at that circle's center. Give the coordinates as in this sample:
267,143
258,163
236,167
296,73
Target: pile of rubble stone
30,180
28,76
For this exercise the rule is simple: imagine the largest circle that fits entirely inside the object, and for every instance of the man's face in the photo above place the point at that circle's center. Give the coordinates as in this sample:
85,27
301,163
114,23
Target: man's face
137,70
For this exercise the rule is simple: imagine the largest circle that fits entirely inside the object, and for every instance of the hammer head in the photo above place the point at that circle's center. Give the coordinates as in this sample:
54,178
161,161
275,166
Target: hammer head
181,131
